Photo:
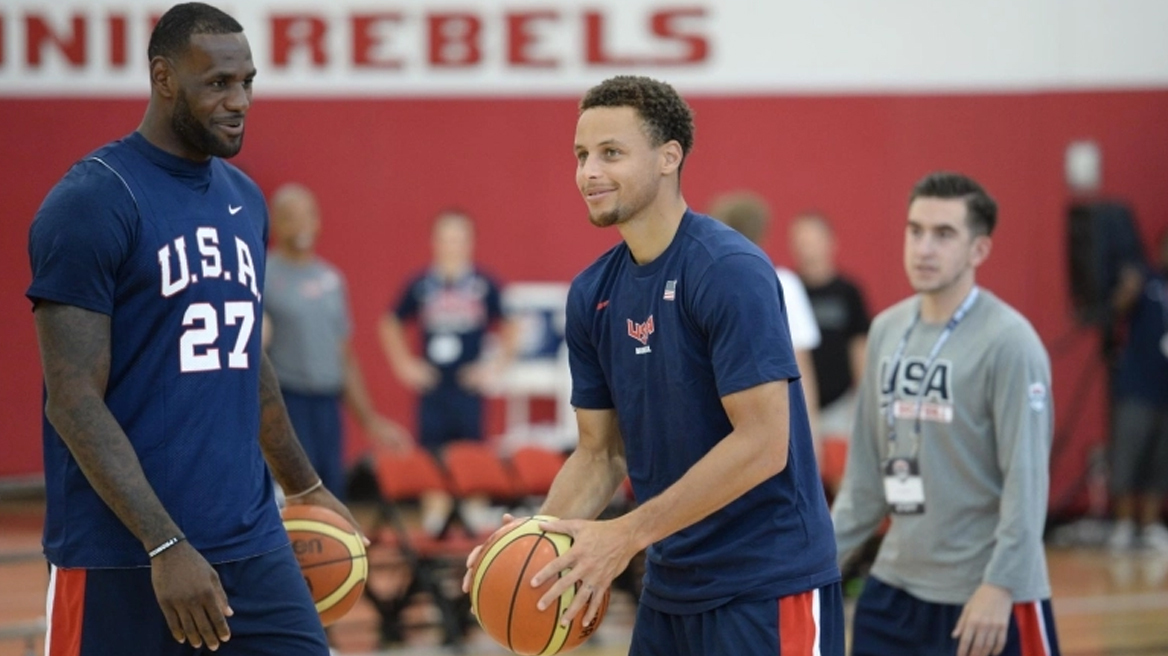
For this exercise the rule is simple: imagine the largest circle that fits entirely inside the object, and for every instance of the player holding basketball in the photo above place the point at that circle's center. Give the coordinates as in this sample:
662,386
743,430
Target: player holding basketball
953,433
147,262
684,378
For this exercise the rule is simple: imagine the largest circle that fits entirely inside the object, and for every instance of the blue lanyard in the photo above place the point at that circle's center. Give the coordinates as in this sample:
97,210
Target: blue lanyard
897,355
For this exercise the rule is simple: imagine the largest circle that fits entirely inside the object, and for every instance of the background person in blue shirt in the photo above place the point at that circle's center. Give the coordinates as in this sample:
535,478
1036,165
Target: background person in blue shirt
683,378
1139,444
456,306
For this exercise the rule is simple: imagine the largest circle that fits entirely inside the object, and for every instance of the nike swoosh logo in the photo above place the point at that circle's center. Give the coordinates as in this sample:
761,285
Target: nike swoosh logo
234,210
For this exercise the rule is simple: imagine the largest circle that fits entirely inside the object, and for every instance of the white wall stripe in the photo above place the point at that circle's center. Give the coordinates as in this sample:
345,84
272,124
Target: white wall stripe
700,46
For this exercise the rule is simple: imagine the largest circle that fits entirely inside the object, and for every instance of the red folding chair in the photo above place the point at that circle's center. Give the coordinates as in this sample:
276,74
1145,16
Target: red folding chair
477,474
535,468
476,470
408,476
437,562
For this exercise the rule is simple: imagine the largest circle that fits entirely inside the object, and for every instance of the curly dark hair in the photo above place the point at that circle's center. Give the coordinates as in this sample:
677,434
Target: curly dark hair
666,116
174,30
981,211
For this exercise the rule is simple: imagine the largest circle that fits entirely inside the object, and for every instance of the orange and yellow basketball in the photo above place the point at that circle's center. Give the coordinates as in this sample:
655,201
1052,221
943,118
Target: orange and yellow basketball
505,603
331,556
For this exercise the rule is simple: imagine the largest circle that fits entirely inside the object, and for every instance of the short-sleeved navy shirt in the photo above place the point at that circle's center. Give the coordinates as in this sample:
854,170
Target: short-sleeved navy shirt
662,343
453,315
173,251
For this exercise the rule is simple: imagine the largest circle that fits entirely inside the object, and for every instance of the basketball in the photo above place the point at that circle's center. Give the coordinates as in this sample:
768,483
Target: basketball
331,556
505,603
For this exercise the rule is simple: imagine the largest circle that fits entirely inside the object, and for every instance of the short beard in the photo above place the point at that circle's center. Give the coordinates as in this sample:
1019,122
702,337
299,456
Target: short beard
625,211
607,219
196,136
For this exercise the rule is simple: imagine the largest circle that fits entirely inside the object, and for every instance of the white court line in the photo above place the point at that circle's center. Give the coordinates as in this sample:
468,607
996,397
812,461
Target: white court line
1109,604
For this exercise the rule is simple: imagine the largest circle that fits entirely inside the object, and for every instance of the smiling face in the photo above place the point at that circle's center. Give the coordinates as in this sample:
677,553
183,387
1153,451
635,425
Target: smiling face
940,250
212,83
618,169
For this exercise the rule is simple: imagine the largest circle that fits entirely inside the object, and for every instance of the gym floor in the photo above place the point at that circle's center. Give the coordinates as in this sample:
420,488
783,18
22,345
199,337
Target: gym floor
1105,605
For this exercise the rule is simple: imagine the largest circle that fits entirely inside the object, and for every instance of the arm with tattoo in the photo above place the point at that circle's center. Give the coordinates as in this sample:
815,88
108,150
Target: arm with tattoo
282,450
285,455
75,356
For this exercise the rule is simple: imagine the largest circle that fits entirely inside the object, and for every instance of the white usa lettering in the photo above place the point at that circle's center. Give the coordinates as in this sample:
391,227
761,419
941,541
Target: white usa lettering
198,345
174,268
171,287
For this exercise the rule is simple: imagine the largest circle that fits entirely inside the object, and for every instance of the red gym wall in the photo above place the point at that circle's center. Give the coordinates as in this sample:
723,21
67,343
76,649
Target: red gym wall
381,168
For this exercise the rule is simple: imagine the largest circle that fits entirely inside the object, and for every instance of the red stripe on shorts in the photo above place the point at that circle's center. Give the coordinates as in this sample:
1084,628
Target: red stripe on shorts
1031,629
796,624
66,612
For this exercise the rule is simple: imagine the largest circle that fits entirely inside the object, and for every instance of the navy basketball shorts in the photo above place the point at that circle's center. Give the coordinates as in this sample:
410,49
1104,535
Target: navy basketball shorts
449,413
113,612
806,624
891,621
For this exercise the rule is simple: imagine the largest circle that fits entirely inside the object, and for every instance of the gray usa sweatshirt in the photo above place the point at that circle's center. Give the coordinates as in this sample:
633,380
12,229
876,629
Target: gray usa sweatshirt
983,450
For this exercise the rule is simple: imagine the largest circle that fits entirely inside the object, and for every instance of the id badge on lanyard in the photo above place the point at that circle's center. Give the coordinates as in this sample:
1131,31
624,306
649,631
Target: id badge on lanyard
904,489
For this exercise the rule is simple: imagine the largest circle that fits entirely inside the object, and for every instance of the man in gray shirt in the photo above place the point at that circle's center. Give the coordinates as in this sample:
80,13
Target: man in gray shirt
952,439
307,333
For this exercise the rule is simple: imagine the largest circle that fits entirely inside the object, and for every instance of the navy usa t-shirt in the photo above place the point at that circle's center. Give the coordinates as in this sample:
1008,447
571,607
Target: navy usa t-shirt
454,316
173,251
662,344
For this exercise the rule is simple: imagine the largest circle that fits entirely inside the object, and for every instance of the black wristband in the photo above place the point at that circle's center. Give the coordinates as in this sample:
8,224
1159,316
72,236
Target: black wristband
166,545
